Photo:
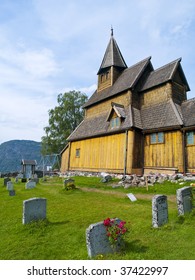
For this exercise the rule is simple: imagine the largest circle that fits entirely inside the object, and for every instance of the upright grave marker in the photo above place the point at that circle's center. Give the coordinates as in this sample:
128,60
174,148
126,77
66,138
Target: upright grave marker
6,179
10,186
159,210
34,209
12,193
184,200
97,240
30,185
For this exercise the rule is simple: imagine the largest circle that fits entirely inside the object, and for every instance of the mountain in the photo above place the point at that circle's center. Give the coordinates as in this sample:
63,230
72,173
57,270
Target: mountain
12,153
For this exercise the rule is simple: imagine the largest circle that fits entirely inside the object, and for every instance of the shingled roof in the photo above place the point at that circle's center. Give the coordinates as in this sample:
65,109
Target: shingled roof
112,56
162,115
126,80
99,125
165,74
188,112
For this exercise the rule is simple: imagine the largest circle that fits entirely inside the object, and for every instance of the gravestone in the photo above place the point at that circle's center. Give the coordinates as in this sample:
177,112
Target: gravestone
34,209
131,197
6,179
30,185
69,184
184,200
16,179
159,210
97,240
10,186
105,177
12,193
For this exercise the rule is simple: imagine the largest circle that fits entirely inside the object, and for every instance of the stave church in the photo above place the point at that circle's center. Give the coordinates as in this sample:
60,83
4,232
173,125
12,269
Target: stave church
138,120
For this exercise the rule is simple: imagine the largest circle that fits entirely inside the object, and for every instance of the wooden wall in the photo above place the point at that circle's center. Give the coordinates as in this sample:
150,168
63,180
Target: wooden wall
99,154
104,80
190,158
65,159
156,95
123,99
166,155
106,153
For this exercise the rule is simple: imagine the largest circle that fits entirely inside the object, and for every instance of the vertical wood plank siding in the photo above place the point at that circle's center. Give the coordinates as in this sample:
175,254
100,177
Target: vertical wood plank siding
190,150
165,155
65,159
102,154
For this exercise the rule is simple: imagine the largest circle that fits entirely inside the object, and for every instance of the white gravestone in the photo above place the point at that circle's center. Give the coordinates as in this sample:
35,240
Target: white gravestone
30,185
97,240
184,200
10,186
34,209
159,210
131,197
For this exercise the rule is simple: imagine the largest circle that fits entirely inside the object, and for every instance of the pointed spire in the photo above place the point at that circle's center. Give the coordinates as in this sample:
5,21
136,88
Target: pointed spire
112,56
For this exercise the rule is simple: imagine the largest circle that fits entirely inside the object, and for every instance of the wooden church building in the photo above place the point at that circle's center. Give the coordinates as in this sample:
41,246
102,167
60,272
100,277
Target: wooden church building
138,120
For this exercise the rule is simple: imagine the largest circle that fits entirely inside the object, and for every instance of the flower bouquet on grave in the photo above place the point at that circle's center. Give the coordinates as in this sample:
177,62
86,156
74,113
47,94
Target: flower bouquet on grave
115,230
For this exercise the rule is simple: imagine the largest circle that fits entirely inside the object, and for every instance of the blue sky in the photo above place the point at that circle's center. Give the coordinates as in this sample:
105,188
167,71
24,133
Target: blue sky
48,47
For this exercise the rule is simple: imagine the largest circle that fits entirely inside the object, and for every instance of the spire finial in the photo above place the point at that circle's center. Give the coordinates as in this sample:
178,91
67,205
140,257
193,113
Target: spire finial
111,30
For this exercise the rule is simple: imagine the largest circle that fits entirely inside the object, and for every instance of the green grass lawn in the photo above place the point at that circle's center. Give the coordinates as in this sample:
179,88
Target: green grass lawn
69,213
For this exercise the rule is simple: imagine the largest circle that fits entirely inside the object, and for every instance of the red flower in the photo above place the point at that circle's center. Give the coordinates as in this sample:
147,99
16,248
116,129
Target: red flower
114,230
121,224
107,222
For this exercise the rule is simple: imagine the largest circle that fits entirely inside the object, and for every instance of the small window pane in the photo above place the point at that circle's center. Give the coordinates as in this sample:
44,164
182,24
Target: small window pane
115,122
153,138
190,138
77,152
160,137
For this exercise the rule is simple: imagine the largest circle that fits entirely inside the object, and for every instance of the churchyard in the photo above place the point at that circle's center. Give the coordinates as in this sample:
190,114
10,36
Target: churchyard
68,213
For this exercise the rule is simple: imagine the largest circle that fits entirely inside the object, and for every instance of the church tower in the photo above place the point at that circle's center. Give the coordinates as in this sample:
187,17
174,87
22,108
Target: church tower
112,65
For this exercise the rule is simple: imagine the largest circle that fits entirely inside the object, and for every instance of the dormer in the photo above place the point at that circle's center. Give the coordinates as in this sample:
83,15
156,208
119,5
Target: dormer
112,65
116,115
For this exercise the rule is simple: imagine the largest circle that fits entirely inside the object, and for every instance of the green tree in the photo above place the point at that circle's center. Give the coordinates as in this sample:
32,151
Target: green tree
63,119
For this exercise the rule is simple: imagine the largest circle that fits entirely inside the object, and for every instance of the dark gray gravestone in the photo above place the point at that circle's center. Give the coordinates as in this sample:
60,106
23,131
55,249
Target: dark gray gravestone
34,209
97,240
184,200
159,210
12,193
6,179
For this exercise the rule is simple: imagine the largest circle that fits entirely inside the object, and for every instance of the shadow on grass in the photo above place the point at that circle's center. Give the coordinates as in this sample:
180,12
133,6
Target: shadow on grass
58,223
135,246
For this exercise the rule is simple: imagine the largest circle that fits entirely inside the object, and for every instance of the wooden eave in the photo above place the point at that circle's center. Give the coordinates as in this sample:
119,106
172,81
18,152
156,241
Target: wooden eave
162,129
111,132
187,128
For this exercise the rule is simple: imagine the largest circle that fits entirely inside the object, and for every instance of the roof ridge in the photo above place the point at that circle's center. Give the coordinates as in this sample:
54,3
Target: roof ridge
143,68
164,66
145,59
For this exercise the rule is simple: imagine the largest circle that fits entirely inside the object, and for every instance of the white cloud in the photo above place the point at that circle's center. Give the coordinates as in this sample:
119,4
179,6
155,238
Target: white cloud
49,47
